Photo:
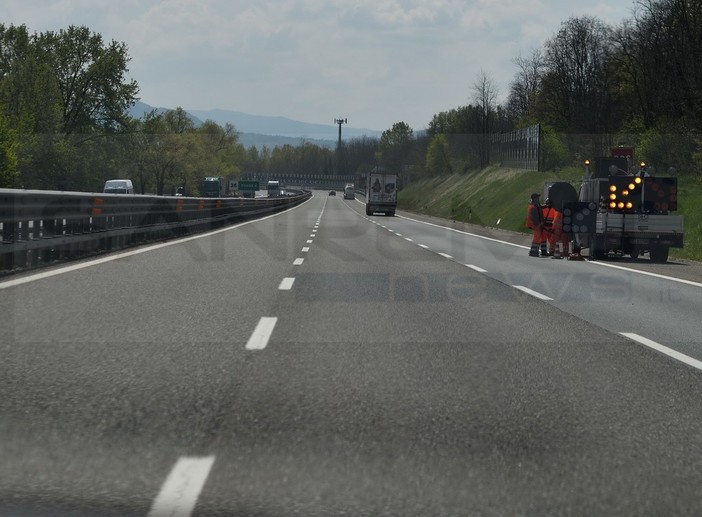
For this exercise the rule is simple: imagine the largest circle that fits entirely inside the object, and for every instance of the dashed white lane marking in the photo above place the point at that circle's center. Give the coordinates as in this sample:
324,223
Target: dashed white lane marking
182,487
532,293
446,255
423,246
310,241
146,249
664,350
261,334
286,284
305,249
298,261
408,239
478,269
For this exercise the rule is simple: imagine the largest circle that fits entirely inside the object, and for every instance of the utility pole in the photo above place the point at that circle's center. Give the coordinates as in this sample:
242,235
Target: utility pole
339,121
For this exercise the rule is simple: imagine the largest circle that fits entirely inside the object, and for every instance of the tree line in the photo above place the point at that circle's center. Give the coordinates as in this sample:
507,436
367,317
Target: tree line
64,101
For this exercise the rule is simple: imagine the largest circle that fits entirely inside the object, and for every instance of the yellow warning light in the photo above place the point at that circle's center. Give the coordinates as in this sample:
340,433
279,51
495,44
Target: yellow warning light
620,204
632,186
643,164
625,192
612,188
612,205
612,196
629,205
637,180
587,163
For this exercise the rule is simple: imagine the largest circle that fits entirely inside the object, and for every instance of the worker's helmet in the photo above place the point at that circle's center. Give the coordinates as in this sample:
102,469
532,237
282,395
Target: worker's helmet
534,196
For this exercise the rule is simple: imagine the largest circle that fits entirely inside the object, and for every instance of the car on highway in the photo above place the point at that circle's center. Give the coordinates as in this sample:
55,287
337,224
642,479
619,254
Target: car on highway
332,192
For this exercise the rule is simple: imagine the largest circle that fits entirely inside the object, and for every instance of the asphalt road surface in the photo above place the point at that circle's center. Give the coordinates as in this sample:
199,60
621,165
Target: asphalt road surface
320,362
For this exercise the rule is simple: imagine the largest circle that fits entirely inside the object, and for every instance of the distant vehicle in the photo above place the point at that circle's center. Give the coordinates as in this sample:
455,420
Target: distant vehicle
214,186
118,187
180,191
381,193
273,188
349,191
332,192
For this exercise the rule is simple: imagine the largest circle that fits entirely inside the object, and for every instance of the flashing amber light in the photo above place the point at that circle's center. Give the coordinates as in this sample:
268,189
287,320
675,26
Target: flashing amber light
643,164
612,188
612,205
620,204
637,180
629,205
625,192
612,197
587,163
632,186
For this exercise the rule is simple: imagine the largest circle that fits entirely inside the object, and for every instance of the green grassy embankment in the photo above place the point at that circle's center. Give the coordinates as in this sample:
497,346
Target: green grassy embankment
497,197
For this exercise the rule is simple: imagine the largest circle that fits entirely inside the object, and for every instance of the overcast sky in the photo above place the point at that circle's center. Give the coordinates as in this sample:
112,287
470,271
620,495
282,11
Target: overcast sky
375,62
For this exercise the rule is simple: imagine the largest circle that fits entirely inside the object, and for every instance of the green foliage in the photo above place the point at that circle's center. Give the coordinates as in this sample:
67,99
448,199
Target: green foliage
438,162
554,151
394,146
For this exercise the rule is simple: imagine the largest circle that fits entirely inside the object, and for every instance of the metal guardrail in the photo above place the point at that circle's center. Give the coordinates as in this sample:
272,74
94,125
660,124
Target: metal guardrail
39,228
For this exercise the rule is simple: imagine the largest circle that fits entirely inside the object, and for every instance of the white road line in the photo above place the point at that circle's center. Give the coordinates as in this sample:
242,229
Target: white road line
533,293
398,234
478,269
310,241
655,275
182,487
146,249
305,249
261,334
446,255
423,246
664,350
408,239
313,235
593,263
286,284
298,261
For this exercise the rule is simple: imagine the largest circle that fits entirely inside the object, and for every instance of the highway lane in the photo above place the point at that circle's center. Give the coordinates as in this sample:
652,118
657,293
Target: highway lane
623,298
393,381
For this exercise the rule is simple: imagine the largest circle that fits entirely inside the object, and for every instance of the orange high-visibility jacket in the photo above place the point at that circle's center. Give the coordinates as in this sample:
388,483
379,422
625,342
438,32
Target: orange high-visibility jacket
534,215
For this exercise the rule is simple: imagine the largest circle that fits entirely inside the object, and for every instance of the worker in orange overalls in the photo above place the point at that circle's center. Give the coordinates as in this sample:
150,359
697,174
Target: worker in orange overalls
547,236
535,222
559,236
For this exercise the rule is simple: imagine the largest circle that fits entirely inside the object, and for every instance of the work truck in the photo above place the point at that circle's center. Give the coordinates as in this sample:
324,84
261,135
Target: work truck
381,193
621,209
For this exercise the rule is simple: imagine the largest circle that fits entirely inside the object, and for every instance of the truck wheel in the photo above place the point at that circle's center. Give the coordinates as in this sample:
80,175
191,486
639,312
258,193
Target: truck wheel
635,252
368,212
659,254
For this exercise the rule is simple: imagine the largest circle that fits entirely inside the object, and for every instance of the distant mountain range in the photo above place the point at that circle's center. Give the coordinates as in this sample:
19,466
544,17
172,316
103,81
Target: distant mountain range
259,130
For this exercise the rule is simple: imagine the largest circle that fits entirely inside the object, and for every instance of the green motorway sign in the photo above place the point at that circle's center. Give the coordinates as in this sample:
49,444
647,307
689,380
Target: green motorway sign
249,185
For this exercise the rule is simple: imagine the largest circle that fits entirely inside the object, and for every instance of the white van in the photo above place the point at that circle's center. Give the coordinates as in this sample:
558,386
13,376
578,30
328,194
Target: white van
118,187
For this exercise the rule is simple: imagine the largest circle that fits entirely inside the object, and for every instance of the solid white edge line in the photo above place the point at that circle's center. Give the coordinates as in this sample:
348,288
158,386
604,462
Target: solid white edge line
118,256
664,350
532,292
182,487
286,284
261,334
476,268
655,275
595,263
298,261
